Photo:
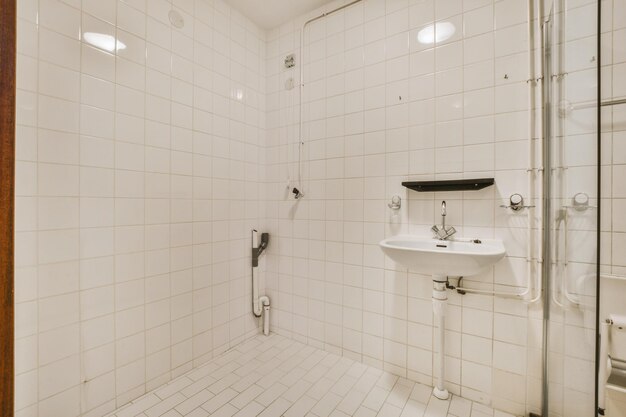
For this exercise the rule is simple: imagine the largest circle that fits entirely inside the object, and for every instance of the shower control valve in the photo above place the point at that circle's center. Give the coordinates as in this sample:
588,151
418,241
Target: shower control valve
516,203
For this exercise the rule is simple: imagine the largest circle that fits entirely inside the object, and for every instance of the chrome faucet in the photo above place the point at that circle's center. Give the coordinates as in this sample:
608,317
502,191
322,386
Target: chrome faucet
443,232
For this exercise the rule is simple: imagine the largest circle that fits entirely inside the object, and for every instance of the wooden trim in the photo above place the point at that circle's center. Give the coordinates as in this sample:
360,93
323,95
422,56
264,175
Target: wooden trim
7,200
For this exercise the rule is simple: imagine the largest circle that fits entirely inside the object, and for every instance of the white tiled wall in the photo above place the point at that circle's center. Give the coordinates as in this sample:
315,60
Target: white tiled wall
380,108
137,184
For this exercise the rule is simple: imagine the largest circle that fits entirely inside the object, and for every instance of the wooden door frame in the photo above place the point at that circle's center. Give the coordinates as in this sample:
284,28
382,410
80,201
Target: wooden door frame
7,201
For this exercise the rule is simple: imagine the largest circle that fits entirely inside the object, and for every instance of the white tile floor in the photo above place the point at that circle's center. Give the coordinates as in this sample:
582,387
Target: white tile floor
275,376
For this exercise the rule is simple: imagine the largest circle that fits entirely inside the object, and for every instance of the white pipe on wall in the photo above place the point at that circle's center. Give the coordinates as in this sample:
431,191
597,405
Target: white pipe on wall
266,317
256,309
301,84
540,169
530,170
440,301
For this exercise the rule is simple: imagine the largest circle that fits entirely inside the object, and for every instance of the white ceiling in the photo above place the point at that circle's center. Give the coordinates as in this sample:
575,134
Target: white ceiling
272,13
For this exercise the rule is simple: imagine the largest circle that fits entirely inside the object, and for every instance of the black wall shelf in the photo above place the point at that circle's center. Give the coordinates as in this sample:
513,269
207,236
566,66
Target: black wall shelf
449,185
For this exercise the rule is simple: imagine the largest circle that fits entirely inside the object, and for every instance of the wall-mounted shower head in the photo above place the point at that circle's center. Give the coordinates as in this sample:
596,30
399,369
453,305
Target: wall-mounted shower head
262,245
290,61
297,194
265,240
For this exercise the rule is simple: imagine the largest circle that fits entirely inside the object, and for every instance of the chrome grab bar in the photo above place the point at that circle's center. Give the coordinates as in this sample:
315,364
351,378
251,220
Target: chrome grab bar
566,107
613,102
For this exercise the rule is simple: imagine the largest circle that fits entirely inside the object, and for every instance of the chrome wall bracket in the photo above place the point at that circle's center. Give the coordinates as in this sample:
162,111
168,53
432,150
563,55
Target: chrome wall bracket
290,61
580,202
396,203
516,203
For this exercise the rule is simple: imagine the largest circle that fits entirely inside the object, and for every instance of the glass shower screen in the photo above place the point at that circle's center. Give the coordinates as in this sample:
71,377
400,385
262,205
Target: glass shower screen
570,99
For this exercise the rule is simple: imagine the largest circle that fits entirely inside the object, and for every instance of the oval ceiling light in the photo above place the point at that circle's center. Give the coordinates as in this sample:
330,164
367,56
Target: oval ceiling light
438,32
103,41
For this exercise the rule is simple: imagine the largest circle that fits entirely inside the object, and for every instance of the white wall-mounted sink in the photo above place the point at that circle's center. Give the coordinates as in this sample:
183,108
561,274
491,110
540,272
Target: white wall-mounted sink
441,259
453,258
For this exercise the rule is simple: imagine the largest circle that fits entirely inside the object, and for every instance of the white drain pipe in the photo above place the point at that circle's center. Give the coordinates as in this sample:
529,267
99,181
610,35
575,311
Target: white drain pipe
260,305
266,317
440,303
